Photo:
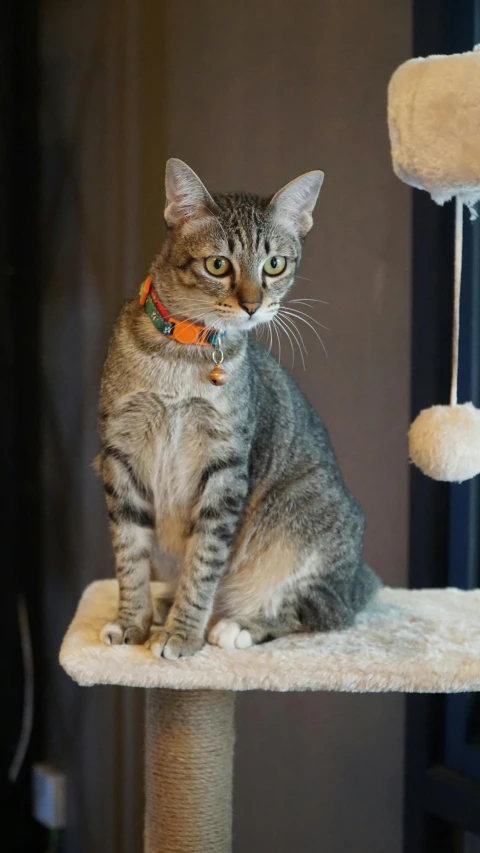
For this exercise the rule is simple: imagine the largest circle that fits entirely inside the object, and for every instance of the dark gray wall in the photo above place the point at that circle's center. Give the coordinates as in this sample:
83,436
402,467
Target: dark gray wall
250,94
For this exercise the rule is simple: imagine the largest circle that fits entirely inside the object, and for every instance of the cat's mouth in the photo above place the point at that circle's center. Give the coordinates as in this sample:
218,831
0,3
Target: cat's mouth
242,320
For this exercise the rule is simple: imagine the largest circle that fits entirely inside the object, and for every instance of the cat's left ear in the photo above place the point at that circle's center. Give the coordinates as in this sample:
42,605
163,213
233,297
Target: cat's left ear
294,203
186,197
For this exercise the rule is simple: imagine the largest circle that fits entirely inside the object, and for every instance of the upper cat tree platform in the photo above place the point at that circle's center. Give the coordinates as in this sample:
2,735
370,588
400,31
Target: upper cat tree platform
425,641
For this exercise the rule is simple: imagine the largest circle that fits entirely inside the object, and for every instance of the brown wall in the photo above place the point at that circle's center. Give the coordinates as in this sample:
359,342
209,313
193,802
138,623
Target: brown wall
250,94
103,163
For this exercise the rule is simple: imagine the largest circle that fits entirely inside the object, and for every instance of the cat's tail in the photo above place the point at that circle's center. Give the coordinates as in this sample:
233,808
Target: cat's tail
366,584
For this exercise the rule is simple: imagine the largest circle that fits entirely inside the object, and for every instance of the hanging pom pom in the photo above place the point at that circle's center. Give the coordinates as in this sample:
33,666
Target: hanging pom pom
444,442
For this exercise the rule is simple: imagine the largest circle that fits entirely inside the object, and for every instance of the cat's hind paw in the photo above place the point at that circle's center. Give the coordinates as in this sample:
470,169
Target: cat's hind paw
229,635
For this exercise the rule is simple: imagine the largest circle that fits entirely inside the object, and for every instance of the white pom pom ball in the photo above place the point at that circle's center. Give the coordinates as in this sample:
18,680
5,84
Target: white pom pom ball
444,442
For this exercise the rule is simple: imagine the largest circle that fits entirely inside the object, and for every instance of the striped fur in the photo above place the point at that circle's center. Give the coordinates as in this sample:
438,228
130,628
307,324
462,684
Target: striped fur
234,490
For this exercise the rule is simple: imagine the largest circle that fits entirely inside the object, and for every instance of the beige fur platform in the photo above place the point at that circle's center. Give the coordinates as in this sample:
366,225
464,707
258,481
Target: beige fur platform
425,641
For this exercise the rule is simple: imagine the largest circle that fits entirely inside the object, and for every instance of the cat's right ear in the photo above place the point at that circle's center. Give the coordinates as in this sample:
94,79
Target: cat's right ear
185,196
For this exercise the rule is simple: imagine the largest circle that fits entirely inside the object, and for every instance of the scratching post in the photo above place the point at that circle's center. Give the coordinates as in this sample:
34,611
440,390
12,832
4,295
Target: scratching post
189,771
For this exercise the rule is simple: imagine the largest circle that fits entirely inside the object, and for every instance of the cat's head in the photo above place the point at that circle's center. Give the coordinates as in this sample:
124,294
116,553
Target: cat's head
229,260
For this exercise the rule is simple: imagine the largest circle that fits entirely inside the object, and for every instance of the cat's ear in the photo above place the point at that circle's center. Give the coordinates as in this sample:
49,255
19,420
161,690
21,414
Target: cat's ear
185,195
293,204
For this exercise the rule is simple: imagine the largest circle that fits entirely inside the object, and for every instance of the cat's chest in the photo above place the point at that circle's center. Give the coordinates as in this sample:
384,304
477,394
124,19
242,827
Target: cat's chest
188,413
194,411
184,448
181,380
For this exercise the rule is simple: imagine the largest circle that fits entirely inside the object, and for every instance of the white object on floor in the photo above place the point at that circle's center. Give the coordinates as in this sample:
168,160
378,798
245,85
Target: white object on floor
49,796
425,641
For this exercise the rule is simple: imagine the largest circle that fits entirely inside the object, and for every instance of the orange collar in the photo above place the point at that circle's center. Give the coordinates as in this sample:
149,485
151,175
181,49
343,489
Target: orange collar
182,331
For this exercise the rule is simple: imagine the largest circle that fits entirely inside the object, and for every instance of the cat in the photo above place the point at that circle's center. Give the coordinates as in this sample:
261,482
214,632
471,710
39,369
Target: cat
235,488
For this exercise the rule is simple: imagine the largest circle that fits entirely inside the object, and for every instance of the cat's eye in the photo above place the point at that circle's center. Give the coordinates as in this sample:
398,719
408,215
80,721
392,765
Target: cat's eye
275,265
217,265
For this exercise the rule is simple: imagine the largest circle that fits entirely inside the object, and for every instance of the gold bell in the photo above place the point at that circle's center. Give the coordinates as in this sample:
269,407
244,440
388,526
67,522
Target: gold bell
218,376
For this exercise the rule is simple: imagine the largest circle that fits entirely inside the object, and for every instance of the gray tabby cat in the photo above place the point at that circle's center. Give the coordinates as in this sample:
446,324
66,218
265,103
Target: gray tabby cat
234,488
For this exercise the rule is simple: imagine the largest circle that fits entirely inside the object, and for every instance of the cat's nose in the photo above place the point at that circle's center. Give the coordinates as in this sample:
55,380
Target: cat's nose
250,307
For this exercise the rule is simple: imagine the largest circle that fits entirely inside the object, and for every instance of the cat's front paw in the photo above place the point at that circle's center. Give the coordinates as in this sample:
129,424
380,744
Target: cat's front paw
173,645
116,633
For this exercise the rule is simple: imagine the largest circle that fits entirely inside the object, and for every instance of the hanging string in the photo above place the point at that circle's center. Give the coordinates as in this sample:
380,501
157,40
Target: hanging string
456,297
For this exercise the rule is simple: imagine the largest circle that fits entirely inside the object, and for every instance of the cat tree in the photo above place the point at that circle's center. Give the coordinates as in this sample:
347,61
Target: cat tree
413,641
425,641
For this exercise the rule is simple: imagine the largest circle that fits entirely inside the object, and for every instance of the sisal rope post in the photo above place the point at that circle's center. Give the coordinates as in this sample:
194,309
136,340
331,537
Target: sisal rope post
456,297
189,771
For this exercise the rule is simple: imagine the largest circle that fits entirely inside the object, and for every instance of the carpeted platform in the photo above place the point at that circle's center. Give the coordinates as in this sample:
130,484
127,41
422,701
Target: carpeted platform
425,641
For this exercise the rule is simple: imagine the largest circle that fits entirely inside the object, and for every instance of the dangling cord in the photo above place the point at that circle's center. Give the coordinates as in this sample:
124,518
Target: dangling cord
456,297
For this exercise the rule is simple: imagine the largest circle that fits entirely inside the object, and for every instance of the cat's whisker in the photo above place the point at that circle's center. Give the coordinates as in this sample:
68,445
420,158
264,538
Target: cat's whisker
298,338
323,301
192,321
192,309
260,328
291,322
217,320
278,339
195,298
313,330
196,317
298,313
289,337
269,328
223,326
194,306
285,330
